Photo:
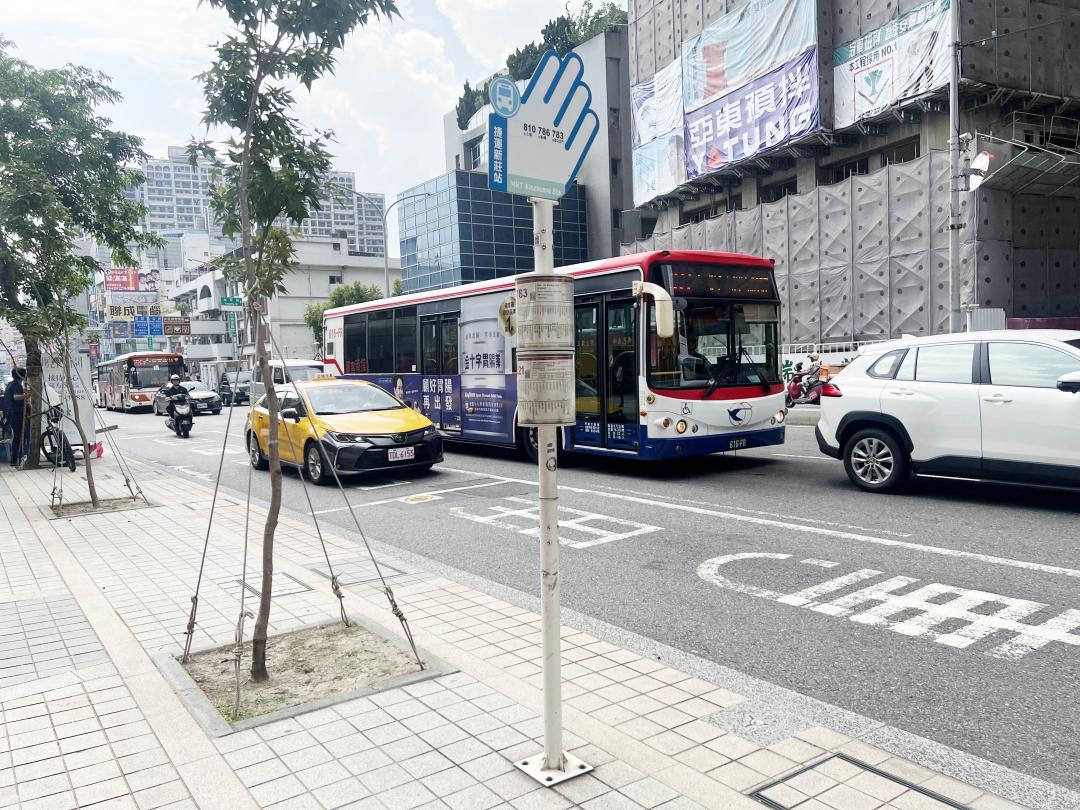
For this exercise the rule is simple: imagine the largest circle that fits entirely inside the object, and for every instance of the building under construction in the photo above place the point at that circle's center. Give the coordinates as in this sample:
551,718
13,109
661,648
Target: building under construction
816,132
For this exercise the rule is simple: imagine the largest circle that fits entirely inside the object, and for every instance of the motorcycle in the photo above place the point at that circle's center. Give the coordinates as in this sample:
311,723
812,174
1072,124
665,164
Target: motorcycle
803,391
181,420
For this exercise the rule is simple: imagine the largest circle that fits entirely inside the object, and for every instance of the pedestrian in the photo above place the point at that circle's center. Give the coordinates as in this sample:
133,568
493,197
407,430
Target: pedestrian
16,400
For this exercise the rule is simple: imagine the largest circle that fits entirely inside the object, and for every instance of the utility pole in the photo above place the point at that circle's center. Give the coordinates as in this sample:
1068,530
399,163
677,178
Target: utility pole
955,224
385,233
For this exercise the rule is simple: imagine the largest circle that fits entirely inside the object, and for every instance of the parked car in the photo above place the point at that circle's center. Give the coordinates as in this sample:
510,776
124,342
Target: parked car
235,387
202,398
354,425
996,406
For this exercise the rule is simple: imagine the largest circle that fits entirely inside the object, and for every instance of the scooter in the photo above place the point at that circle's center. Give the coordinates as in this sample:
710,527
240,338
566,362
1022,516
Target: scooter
181,420
799,394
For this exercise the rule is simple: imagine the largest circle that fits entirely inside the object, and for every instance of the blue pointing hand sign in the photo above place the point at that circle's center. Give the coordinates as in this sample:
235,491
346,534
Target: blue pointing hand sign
537,147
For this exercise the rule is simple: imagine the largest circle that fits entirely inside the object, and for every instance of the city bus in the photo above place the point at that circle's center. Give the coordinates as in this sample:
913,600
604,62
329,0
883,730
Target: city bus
131,380
713,386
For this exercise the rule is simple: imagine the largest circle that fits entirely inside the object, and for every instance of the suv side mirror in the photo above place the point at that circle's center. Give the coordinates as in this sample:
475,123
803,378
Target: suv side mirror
291,413
1069,383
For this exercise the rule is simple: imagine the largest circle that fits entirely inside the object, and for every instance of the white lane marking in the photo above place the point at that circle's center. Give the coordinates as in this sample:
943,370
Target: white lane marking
402,499
714,505
807,529
820,563
797,455
526,521
889,604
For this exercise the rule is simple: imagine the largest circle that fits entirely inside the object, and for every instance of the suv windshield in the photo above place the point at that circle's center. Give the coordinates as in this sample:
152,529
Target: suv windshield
331,399
716,344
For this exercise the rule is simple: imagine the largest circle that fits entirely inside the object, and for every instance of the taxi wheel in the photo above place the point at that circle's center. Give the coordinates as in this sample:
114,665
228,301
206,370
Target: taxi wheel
315,465
255,454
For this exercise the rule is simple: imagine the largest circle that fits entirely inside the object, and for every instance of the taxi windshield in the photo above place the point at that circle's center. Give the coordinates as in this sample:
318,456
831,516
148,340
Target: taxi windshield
332,399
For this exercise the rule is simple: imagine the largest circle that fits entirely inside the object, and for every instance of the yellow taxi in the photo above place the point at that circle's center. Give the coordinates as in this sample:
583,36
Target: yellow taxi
351,426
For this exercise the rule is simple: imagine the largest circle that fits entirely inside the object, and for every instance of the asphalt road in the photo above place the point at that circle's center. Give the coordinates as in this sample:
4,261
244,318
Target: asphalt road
980,654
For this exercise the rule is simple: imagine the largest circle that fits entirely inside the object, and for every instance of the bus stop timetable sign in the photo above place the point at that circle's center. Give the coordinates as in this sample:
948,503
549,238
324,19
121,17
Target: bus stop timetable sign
538,141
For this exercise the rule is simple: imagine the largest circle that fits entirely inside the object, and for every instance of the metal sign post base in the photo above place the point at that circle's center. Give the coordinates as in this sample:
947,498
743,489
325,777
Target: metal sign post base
534,767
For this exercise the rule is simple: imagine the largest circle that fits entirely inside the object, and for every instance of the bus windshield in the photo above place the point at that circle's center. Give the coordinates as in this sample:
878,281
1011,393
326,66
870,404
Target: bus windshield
150,374
716,344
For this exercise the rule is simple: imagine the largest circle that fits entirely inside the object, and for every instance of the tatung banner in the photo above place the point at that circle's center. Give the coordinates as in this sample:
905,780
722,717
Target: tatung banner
659,166
743,45
657,104
131,279
905,58
124,306
775,108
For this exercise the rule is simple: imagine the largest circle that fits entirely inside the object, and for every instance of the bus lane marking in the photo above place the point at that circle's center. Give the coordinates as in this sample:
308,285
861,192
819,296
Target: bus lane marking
898,604
808,529
526,520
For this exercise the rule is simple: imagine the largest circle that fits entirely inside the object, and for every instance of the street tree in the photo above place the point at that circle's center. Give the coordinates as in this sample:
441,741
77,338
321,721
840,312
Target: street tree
270,167
341,296
63,174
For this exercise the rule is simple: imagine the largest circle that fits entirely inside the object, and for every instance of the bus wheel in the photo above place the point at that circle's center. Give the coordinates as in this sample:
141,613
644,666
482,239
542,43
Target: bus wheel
529,443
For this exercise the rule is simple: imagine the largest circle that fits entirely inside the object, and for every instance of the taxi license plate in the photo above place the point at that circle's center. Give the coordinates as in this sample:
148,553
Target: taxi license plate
401,453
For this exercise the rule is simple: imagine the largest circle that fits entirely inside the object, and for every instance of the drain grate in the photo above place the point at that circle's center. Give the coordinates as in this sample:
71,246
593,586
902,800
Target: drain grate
284,584
356,572
843,781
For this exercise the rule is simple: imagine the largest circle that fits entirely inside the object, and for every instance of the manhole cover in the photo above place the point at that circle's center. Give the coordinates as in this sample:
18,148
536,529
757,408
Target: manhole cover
843,781
420,498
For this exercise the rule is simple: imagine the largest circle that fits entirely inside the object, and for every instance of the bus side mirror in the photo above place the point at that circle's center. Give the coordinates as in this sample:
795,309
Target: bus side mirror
665,312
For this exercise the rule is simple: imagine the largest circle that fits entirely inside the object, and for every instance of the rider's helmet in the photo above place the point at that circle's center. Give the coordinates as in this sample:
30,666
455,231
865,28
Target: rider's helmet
815,356
174,378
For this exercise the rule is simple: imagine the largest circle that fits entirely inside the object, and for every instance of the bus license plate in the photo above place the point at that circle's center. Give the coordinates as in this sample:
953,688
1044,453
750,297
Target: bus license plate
401,453
737,444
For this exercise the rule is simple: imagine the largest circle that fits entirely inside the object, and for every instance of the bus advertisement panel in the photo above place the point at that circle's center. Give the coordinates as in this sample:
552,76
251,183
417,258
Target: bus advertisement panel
714,386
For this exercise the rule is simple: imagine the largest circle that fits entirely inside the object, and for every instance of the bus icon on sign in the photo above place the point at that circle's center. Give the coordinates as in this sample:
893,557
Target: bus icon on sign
505,97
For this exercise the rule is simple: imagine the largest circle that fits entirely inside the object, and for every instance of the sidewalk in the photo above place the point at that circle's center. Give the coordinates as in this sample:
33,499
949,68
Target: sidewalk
87,719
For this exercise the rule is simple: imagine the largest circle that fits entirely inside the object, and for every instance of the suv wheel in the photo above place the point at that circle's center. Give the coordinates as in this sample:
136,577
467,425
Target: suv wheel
875,461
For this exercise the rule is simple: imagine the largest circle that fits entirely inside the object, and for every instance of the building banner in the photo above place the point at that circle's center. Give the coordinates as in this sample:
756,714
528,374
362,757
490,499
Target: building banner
656,104
778,107
124,306
130,279
659,166
903,59
743,45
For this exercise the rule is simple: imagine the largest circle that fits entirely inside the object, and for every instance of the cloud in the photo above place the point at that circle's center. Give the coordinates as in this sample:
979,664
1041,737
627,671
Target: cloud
490,30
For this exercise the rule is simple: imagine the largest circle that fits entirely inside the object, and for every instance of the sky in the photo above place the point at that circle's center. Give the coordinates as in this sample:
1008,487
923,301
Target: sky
393,83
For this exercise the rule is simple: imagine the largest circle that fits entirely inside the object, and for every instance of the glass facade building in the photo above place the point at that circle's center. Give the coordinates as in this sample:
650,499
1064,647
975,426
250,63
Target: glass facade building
465,232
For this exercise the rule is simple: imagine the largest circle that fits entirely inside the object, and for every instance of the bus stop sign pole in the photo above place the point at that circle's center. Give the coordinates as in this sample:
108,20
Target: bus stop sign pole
537,142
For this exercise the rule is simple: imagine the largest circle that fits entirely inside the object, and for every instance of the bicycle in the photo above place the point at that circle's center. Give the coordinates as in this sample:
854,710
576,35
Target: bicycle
54,443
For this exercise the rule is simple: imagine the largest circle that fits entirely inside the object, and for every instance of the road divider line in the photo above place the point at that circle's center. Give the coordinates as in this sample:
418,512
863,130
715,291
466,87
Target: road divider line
804,528
401,498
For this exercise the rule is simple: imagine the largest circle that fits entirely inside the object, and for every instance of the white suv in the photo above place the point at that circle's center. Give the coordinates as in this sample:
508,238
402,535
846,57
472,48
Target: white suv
998,406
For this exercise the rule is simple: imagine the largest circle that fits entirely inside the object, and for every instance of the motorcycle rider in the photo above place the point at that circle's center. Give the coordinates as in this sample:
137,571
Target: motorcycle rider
173,389
813,373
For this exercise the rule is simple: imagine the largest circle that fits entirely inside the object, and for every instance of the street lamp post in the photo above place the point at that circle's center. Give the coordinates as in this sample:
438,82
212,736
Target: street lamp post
385,232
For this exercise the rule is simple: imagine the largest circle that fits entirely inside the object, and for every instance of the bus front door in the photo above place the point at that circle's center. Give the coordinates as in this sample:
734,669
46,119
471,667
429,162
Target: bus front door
606,374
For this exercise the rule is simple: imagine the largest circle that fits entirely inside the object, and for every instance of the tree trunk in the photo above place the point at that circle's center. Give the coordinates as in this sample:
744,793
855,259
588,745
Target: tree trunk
262,620
37,397
69,377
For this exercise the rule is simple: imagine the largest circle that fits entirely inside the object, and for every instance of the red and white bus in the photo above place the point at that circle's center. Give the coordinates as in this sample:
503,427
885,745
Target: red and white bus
714,386
131,380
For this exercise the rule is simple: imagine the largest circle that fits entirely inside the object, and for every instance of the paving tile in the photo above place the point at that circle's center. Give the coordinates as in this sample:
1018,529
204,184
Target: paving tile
284,787
952,788
838,769
913,800
476,797
611,801
161,795
487,767
151,777
784,795
702,759
94,773
732,746
101,791
352,744
406,797
540,799
811,782
450,781
322,774
465,751
512,784
639,728
262,772
385,778
343,793
768,762
843,797
648,792
737,776
46,786
876,786
616,774
906,770
365,761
